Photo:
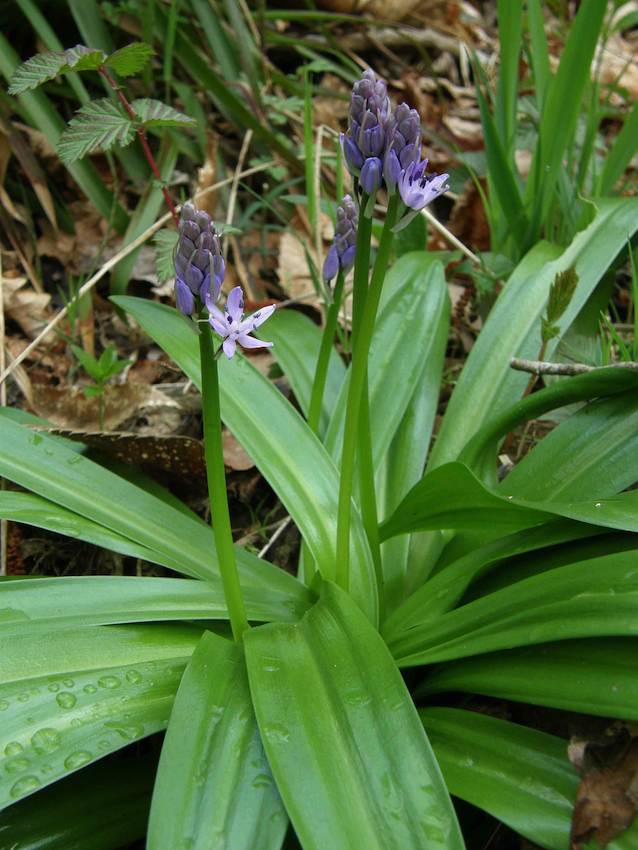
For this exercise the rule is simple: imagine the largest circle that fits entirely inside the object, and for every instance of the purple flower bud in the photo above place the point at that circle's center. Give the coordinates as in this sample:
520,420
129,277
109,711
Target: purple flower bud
342,251
391,169
418,190
351,154
184,297
199,264
403,143
371,174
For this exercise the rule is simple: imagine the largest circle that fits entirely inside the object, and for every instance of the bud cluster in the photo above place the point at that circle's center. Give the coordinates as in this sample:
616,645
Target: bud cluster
342,250
199,265
383,145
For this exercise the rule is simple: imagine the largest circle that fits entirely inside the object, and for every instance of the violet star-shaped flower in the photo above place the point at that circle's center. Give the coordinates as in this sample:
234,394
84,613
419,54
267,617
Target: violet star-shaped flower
417,189
231,325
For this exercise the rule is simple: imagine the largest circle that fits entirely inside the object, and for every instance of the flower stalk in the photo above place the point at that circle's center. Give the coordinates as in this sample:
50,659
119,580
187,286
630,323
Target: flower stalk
355,394
216,477
325,349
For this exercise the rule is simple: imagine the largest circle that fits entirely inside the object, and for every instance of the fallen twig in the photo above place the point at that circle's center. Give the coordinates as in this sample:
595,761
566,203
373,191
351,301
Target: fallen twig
542,367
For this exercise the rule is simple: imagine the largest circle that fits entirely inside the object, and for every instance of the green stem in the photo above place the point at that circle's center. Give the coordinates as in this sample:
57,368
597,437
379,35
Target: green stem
216,475
355,393
323,360
367,486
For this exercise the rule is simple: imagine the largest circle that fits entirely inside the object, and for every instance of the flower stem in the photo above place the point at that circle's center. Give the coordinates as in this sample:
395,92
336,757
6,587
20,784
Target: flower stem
323,360
216,475
141,133
355,393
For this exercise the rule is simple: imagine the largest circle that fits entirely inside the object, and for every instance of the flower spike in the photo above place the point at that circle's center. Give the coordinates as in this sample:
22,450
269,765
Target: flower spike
231,326
199,265
342,251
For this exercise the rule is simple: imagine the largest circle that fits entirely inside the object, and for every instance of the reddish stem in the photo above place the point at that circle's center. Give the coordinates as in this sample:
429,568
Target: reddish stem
141,132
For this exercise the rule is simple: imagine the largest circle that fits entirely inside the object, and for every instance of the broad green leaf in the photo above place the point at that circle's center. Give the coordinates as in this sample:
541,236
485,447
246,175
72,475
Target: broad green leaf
287,453
451,497
45,604
45,66
99,808
342,736
539,51
405,460
589,676
520,776
154,113
441,592
130,60
42,513
296,347
488,385
78,695
594,451
415,302
214,787
184,542
596,597
96,127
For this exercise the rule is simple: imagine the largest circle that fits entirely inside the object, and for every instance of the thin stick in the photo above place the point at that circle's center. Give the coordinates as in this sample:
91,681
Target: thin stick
450,237
282,527
541,367
124,252
232,199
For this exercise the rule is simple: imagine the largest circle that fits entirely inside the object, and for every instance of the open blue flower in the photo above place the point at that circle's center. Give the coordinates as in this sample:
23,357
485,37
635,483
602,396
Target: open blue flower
231,325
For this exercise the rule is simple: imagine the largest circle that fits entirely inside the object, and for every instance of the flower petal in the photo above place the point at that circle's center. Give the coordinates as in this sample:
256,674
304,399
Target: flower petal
229,346
184,297
250,342
256,319
331,263
235,304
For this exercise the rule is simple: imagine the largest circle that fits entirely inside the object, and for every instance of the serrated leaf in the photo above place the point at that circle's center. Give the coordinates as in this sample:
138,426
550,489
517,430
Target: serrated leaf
97,126
45,66
131,59
165,241
154,113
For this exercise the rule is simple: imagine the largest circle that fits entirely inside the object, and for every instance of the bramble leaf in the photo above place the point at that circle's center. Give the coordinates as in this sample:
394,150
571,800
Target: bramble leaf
131,59
45,66
154,113
165,241
97,126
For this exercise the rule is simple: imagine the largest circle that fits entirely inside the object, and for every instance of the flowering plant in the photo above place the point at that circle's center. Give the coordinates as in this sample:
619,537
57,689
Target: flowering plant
521,588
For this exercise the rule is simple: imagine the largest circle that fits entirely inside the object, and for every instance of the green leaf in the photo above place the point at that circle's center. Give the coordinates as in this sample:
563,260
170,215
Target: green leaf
592,452
596,597
184,542
165,242
562,106
88,362
130,60
520,776
415,300
480,452
46,604
342,736
96,127
488,385
78,695
213,782
103,806
287,453
154,113
590,676
296,341
452,497
622,152
441,592
45,66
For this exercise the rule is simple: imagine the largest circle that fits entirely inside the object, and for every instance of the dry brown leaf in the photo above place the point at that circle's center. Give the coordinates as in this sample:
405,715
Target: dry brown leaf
618,67
608,792
467,134
30,167
468,221
235,457
207,175
77,251
29,309
68,408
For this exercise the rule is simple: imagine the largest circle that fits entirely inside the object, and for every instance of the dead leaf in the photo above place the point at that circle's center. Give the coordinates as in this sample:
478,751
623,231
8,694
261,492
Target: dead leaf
390,10
67,407
207,176
30,167
29,309
235,457
616,65
608,792
468,221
